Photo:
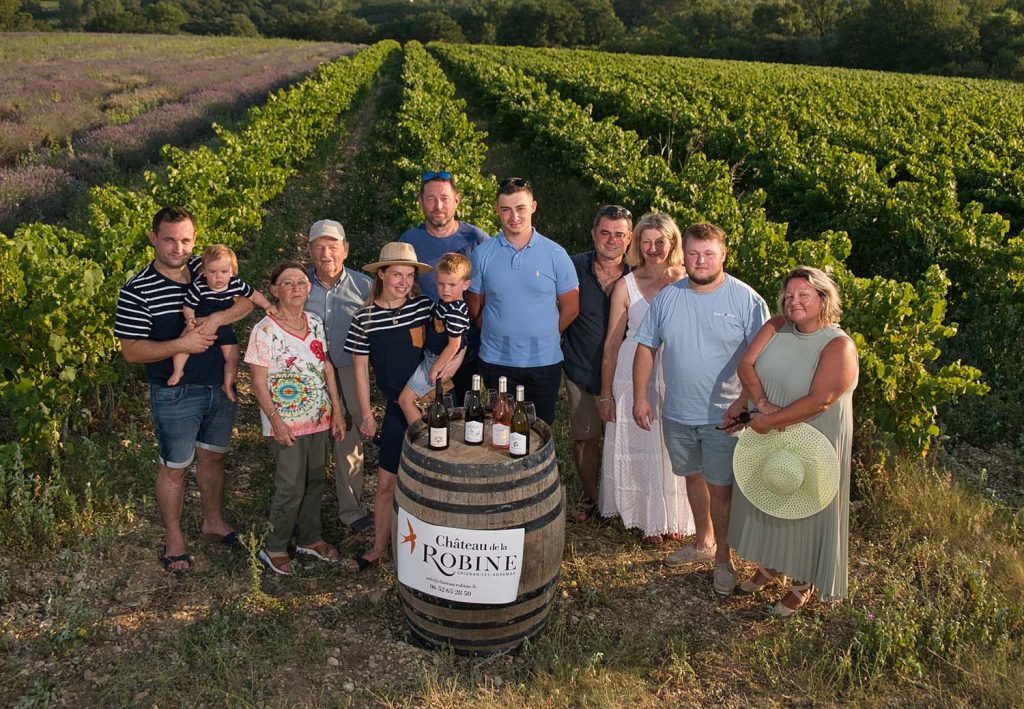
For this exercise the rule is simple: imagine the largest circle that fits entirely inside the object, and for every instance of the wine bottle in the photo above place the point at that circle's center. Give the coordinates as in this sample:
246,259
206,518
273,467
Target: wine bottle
437,420
474,415
501,417
519,437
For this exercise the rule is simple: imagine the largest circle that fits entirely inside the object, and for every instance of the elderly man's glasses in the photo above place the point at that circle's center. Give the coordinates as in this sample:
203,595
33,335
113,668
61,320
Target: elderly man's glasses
442,175
614,211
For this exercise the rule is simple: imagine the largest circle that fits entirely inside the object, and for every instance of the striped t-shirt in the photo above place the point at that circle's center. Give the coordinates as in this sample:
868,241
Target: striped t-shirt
373,319
447,320
206,301
149,308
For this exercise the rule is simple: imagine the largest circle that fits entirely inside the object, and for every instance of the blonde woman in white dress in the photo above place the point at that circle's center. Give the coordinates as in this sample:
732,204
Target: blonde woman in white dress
637,482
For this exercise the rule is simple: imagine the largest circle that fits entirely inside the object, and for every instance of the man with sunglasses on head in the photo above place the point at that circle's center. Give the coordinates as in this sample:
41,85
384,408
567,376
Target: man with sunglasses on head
524,293
583,342
438,234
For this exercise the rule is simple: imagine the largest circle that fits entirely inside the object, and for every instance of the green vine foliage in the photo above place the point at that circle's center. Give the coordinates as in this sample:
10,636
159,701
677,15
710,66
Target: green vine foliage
433,132
897,325
59,288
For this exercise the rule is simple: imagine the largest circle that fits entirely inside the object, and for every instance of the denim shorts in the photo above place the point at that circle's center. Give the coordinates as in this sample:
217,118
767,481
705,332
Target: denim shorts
700,449
420,382
190,416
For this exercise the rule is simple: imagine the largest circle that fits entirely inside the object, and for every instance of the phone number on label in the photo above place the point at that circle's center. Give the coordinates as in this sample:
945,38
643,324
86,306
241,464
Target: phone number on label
450,591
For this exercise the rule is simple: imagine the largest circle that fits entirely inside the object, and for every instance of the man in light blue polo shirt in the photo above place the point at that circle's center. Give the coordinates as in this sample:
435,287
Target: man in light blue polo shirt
336,293
703,323
524,292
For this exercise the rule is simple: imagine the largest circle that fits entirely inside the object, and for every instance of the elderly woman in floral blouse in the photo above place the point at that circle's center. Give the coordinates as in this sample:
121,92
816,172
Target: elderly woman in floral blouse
298,398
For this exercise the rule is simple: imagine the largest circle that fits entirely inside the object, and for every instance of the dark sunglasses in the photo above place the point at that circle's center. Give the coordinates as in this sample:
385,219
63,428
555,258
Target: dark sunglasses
442,175
743,418
513,182
614,211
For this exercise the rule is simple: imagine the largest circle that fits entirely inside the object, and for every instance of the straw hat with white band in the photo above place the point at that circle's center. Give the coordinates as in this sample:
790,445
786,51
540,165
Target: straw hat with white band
397,253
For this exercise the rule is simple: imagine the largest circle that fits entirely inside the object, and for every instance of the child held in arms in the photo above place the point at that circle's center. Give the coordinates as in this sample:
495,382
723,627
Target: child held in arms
215,289
446,334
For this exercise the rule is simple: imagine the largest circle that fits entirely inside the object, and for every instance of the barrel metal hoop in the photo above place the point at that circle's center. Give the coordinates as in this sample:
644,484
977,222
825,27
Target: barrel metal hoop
489,509
532,526
463,606
460,625
425,458
451,486
458,644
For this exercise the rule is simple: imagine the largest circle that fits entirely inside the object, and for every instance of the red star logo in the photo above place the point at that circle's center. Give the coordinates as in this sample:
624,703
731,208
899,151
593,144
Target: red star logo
410,537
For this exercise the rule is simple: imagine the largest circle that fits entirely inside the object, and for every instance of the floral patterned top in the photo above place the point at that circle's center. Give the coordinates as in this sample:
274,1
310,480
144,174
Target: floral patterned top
295,374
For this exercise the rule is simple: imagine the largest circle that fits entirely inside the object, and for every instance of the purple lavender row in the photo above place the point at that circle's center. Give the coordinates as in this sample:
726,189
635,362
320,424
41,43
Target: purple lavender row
45,192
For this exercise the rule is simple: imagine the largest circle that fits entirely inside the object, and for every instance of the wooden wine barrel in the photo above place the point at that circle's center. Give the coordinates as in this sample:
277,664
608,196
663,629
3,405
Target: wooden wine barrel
478,487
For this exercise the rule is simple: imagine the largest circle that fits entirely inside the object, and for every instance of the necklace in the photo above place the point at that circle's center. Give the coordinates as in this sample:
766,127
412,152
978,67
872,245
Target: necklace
296,323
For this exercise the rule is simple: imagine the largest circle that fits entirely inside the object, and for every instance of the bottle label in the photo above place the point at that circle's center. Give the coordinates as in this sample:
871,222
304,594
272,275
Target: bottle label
499,434
438,437
517,444
474,431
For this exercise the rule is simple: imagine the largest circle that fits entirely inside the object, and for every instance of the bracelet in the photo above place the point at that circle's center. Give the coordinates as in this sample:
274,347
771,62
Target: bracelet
602,399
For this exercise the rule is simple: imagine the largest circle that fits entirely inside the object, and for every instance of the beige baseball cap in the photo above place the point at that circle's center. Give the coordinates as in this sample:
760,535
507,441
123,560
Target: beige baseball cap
327,227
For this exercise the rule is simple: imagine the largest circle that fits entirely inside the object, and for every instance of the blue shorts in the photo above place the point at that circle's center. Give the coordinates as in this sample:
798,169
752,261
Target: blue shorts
700,449
190,416
420,382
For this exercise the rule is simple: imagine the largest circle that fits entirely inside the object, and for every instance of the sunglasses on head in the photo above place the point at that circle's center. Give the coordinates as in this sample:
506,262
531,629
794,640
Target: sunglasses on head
442,175
513,182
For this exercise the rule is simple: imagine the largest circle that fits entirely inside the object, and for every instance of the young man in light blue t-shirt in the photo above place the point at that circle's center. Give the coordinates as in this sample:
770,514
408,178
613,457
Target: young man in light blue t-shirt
704,323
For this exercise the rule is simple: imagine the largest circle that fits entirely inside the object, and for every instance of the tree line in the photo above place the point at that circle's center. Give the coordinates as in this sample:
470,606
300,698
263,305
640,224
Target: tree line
983,38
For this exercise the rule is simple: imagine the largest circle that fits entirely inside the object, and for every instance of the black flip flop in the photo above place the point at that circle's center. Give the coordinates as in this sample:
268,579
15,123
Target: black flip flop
363,563
166,561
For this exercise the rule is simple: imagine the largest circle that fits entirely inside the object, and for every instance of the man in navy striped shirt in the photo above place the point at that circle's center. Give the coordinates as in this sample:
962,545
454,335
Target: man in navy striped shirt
194,418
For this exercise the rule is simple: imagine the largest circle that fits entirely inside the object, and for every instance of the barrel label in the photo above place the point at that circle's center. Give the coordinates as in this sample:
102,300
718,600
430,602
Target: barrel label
468,565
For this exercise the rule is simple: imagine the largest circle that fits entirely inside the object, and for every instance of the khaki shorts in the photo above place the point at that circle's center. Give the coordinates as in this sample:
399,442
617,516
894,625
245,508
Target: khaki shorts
584,418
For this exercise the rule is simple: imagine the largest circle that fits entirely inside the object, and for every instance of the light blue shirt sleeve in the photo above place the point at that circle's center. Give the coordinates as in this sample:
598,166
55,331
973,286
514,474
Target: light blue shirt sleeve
565,273
759,315
649,332
476,280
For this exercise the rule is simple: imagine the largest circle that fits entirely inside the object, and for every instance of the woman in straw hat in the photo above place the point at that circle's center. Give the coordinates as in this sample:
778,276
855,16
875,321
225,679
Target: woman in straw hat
387,333
801,367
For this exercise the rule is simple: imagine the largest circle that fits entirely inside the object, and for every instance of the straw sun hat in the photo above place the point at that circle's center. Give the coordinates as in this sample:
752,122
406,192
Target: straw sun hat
397,253
790,474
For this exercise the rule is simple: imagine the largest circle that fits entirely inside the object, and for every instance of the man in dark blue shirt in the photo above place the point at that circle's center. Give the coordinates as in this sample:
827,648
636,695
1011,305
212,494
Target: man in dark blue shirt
583,343
194,418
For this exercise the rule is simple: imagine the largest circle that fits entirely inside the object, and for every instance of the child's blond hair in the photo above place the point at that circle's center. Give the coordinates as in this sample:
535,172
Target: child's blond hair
455,265
215,252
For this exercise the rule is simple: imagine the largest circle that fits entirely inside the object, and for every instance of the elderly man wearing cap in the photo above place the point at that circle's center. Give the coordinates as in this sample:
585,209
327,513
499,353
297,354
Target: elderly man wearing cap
336,294
441,233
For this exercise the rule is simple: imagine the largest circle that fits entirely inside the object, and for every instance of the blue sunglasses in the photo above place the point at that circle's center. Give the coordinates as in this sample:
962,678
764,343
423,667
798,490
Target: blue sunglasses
443,175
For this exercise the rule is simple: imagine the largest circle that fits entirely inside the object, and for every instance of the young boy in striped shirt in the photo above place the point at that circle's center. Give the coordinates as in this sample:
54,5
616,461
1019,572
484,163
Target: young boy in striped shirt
446,333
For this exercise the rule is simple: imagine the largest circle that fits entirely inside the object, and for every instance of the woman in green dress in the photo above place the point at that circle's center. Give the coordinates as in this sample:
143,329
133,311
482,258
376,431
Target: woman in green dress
801,367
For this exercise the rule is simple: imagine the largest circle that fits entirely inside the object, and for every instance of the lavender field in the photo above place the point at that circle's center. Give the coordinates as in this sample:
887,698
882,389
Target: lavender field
77,109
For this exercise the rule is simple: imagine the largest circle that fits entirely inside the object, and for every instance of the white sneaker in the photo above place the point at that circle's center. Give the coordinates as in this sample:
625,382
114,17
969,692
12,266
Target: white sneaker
724,578
691,555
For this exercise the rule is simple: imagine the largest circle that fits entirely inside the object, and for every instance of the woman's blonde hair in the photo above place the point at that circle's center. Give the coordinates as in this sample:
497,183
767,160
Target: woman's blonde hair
831,304
663,224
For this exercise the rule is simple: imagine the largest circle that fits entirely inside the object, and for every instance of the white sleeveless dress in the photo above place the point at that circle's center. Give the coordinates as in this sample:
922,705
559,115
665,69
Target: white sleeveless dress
637,482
